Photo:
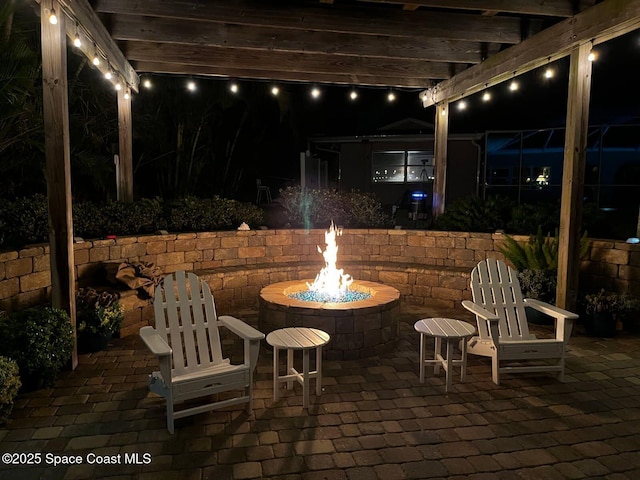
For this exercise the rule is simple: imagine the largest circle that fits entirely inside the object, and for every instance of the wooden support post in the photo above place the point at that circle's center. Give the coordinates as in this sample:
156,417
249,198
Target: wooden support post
58,162
440,157
125,177
575,153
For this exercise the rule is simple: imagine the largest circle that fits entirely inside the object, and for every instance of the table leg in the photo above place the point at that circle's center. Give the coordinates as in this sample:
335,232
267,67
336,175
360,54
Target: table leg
449,363
463,369
305,378
423,345
275,374
436,351
289,367
318,371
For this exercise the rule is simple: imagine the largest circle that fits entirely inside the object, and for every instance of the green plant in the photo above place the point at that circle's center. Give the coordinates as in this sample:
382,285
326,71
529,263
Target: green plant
9,386
40,340
475,214
97,313
618,305
539,284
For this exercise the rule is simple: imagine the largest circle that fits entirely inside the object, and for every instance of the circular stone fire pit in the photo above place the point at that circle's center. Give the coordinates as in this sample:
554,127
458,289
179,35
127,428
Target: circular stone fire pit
358,329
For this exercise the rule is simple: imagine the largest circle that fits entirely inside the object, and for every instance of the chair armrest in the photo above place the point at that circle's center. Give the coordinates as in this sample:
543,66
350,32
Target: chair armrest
549,309
240,328
479,311
154,342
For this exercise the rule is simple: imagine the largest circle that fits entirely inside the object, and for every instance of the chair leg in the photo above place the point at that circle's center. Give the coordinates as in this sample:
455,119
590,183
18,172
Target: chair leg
495,369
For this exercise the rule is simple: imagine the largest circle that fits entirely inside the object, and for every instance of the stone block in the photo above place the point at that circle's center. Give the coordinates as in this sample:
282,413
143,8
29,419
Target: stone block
185,245
99,254
458,283
35,280
394,277
193,256
153,248
279,240
235,241
473,243
446,293
174,267
225,253
460,254
251,252
416,252
18,267
9,288
207,243
6,256
234,281
80,257
618,257
169,258
31,252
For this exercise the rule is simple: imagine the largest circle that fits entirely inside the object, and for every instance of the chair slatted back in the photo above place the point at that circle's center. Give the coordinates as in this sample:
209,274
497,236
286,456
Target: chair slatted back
186,319
495,286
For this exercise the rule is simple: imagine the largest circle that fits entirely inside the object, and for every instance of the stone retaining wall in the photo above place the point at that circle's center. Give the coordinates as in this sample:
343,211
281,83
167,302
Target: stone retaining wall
424,265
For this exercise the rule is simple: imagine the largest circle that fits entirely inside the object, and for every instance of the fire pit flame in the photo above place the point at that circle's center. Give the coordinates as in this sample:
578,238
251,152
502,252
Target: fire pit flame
331,281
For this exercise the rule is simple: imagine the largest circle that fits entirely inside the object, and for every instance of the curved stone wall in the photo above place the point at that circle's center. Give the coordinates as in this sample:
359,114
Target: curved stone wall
423,265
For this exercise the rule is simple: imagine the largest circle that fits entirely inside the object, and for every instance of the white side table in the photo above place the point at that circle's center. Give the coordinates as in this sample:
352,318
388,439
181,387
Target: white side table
452,331
298,338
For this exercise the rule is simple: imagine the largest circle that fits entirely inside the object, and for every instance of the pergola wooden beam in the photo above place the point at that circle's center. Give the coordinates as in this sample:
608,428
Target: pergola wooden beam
407,81
337,19
89,24
269,39
277,62
552,8
58,161
599,23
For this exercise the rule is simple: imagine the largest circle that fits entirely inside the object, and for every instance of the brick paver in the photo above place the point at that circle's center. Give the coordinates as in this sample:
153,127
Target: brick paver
374,420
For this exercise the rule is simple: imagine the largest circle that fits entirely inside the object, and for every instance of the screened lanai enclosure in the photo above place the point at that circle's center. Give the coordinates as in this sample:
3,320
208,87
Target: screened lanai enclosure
447,49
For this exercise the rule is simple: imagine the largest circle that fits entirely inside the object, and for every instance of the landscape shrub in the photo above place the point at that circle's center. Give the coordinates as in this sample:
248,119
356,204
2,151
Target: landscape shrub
475,214
9,386
316,208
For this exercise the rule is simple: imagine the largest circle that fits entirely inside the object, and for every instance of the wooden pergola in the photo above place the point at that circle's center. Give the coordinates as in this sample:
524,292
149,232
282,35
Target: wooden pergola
447,48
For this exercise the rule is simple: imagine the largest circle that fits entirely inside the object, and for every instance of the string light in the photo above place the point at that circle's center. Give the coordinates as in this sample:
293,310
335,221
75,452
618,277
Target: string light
53,20
76,41
443,112
592,56
233,87
549,73
315,92
275,90
514,86
391,97
96,59
486,96
127,94
146,83
108,74
462,105
191,86
118,85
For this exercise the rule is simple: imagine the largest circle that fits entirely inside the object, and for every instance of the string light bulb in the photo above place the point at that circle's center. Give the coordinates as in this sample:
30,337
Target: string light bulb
146,83
549,73
233,87
391,97
462,105
315,92
53,19
191,86
127,95
76,40
353,95
96,58
514,85
108,74
486,96
592,56
275,90
443,111
118,85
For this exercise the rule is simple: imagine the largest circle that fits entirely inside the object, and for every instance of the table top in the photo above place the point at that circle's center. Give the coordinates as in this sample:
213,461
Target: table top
444,327
298,338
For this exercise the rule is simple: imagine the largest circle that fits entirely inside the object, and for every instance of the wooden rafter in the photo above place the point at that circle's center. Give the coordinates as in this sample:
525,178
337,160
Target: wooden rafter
268,39
599,23
552,8
335,18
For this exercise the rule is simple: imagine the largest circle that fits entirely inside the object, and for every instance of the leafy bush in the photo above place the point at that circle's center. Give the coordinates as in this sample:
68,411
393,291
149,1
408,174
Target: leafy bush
9,386
314,208
475,214
527,218
202,214
40,340
97,313
26,220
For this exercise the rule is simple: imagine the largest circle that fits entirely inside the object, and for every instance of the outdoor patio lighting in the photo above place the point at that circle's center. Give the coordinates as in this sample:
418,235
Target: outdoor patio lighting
443,112
462,105
76,40
391,97
108,74
146,83
127,95
486,96
353,95
549,73
592,56
233,87
513,86
118,86
315,92
191,86
53,20
96,59
275,90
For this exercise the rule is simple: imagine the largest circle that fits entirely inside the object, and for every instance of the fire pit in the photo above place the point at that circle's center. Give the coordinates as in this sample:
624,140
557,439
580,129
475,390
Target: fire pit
360,316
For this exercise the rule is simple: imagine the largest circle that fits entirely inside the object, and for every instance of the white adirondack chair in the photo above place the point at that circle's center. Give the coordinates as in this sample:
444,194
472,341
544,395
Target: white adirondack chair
503,332
187,343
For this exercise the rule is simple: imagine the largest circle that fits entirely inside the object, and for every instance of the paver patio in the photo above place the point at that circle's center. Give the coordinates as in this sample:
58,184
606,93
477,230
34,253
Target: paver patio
373,420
